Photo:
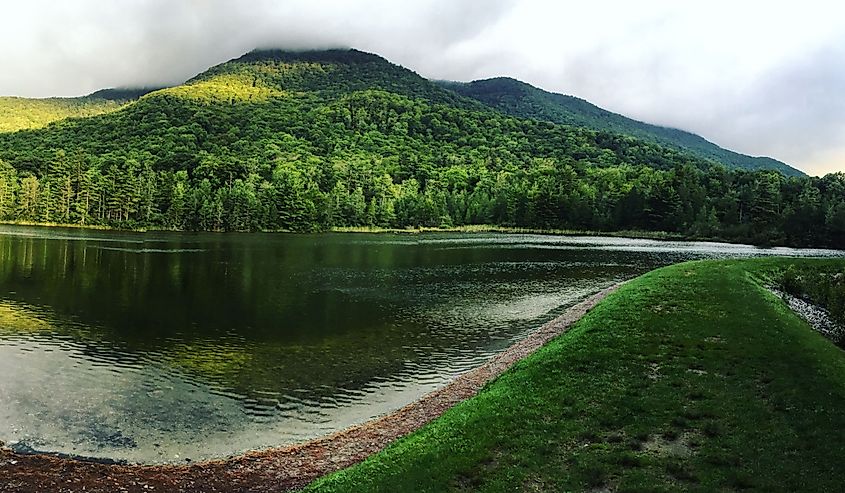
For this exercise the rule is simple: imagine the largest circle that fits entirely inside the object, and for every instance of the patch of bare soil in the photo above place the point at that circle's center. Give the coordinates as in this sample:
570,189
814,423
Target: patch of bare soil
680,447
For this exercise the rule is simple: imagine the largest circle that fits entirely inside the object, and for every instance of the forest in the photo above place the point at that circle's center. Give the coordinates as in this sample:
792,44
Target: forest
25,113
520,99
275,141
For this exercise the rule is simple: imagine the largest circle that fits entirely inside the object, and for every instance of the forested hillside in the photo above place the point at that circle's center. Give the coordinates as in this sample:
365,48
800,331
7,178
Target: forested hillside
307,141
523,100
24,113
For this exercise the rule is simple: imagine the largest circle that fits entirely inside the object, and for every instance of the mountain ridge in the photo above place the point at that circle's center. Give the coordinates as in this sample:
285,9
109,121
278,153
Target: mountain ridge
518,98
332,72
506,94
19,113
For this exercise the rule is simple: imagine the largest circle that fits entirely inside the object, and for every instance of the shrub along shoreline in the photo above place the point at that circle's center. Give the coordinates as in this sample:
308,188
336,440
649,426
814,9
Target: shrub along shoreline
475,228
691,377
469,229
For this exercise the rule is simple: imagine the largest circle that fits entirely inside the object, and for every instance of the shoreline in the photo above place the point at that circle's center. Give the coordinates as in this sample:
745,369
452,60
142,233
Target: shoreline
473,228
487,228
684,379
469,229
289,467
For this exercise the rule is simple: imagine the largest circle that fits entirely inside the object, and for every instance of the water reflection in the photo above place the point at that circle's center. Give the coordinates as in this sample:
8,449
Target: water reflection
162,346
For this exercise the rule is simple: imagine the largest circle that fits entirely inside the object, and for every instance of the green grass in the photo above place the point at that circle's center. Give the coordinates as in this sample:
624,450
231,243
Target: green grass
692,377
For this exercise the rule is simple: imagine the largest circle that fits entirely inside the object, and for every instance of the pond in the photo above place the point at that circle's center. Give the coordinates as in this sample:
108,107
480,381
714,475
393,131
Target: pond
167,347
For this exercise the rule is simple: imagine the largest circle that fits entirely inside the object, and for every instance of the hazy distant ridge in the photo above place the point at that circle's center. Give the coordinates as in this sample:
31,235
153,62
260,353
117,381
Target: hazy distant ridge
518,98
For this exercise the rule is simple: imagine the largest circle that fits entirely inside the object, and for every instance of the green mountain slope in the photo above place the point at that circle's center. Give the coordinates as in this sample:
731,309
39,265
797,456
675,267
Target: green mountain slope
25,113
520,99
327,105
330,74
314,140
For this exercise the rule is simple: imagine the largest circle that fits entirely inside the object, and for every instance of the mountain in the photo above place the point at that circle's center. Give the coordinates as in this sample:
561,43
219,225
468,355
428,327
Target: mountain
328,73
524,100
329,105
121,94
25,113
304,141
22,113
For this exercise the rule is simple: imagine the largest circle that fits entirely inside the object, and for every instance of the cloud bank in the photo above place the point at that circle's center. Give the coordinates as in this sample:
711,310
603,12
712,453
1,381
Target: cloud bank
763,78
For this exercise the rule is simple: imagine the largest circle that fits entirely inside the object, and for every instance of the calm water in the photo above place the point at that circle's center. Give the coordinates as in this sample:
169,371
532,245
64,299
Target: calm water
162,347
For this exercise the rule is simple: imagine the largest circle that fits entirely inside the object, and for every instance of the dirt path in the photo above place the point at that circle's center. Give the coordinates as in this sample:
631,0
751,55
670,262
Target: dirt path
281,469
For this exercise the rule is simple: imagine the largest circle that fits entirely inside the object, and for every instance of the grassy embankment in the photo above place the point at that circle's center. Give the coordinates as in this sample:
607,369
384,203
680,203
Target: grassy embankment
692,377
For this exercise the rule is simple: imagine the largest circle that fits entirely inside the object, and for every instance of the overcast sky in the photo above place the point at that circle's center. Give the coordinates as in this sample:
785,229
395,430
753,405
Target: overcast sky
762,78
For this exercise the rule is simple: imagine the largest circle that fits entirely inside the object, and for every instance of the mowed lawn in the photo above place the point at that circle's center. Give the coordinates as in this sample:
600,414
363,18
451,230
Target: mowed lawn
692,377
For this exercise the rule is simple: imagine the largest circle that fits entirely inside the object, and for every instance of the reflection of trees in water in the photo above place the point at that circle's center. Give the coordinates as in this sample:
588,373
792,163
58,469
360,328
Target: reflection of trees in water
257,314
347,361
16,320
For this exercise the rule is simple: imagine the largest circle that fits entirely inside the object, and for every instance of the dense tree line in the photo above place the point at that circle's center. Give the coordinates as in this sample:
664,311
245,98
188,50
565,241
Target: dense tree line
272,143
757,207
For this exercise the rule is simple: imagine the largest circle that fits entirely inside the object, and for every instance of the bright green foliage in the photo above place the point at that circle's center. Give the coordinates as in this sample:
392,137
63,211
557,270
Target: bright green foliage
690,378
21,113
315,140
332,73
224,89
